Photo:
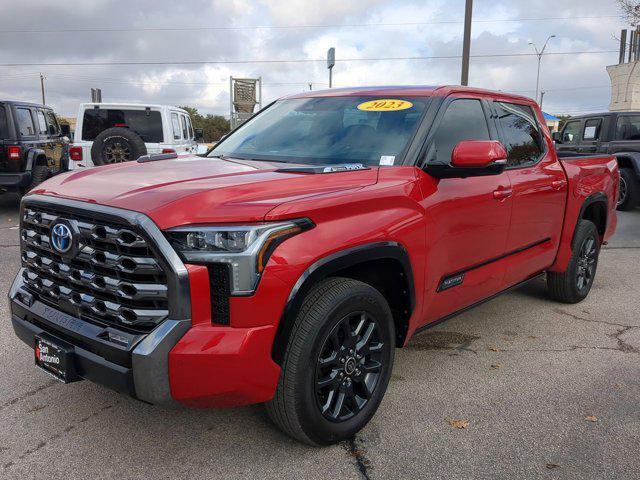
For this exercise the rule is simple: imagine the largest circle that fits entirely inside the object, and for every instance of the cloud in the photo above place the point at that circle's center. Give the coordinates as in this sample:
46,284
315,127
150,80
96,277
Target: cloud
572,83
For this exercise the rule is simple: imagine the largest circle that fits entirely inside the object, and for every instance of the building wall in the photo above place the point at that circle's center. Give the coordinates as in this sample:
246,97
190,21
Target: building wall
625,86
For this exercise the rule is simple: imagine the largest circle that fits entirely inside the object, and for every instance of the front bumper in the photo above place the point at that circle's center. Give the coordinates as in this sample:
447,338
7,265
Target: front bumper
176,364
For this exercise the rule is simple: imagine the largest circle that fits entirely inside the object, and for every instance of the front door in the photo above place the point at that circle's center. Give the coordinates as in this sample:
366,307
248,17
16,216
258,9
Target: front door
467,218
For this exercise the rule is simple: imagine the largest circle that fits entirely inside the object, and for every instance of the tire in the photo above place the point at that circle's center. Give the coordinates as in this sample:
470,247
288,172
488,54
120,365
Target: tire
567,287
116,145
39,173
629,190
332,308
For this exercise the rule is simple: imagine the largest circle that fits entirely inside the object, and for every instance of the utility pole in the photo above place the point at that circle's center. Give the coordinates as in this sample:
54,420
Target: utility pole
539,54
42,88
466,42
331,61
310,86
541,97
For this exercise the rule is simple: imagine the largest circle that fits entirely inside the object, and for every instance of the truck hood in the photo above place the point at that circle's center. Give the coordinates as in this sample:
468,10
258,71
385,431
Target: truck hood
193,189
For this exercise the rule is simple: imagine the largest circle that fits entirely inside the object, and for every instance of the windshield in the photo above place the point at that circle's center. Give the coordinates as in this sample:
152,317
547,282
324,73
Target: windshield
330,130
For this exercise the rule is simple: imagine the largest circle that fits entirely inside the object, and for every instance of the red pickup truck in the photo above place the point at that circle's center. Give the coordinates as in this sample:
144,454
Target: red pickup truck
287,264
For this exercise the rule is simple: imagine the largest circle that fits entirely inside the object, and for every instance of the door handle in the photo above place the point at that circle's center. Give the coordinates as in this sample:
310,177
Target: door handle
502,193
558,184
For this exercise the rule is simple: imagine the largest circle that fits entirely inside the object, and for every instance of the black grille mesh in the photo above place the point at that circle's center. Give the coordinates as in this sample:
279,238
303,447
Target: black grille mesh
220,289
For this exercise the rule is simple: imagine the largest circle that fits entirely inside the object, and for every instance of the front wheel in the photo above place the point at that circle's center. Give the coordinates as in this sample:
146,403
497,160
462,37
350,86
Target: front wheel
573,285
337,365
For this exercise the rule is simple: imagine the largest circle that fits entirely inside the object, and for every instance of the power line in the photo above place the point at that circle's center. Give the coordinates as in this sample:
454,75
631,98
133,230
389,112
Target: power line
236,62
290,27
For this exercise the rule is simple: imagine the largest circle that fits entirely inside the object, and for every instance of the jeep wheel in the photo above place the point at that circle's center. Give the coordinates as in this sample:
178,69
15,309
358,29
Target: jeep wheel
39,173
337,364
117,145
574,284
629,195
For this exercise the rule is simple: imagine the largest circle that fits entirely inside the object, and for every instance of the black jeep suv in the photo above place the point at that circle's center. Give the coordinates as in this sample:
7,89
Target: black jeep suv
33,145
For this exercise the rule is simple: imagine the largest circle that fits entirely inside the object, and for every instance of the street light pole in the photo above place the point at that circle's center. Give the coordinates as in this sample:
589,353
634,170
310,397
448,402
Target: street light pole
539,54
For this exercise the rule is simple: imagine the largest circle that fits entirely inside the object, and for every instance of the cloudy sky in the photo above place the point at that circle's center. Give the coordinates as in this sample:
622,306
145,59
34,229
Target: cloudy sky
183,52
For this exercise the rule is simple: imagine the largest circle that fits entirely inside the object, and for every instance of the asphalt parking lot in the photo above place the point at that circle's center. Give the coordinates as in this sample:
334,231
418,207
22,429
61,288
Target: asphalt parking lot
544,390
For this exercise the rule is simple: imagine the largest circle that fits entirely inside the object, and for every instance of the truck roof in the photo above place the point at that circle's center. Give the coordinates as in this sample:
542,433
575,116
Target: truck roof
604,114
409,90
126,104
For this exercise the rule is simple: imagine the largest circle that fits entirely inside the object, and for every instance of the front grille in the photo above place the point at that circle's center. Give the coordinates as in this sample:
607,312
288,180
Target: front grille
220,290
114,279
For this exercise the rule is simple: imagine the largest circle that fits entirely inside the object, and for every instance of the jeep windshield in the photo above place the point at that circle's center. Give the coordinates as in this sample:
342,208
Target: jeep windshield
328,130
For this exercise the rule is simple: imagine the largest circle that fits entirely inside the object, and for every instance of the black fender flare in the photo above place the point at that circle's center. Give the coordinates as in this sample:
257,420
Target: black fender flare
32,156
598,197
634,159
325,267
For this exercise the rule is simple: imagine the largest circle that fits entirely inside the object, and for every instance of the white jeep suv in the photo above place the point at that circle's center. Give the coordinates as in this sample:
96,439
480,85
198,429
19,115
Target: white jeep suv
120,132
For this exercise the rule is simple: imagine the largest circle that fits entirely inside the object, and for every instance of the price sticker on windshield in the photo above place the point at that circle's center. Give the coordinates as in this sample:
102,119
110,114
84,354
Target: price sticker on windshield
385,105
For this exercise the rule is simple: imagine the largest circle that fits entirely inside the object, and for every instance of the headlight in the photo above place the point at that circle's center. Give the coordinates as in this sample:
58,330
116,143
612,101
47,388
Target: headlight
245,248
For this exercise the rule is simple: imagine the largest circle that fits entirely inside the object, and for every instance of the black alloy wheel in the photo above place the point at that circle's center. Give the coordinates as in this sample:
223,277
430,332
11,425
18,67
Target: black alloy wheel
586,265
348,367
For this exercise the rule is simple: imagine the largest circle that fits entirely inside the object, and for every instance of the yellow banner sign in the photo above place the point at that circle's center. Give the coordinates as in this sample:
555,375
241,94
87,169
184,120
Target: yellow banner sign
385,105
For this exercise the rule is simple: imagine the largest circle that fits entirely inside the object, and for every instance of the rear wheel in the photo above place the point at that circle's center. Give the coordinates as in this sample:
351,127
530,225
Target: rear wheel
629,195
573,285
39,173
337,365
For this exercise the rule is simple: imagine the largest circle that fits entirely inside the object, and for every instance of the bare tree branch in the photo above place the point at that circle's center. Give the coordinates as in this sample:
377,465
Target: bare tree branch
630,11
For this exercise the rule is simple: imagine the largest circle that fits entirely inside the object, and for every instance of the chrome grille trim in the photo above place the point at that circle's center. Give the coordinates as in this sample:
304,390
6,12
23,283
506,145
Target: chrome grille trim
118,276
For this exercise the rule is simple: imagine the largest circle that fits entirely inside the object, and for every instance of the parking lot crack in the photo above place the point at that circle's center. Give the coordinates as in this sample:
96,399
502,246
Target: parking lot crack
589,320
28,394
355,448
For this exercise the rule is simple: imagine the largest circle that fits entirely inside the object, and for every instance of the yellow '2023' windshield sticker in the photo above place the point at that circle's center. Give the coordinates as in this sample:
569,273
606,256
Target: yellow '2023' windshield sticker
385,105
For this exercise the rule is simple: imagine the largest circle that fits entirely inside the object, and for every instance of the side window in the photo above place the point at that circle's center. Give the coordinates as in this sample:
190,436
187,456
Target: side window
4,126
463,120
522,137
591,129
628,127
42,123
190,128
175,125
52,123
25,122
571,132
185,133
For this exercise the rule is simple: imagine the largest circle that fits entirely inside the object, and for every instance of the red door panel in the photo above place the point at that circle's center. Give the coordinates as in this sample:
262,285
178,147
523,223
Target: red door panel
467,228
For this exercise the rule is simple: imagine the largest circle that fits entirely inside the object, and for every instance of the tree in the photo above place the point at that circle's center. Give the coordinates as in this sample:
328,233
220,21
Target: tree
563,120
214,126
630,11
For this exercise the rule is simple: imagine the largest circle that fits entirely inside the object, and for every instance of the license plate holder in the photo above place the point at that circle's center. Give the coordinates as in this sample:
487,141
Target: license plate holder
56,358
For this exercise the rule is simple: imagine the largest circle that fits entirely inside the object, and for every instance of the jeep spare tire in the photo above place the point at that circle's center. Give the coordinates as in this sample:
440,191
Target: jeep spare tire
116,145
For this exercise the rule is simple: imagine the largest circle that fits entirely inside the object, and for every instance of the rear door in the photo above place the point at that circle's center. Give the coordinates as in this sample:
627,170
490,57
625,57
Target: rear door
52,143
591,133
539,189
467,223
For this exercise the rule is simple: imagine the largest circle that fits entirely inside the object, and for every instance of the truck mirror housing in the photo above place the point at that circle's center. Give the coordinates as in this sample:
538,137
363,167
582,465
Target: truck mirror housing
472,158
557,137
198,133
65,129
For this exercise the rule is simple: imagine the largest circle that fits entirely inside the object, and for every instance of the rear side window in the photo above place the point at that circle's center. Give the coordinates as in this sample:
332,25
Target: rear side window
185,133
52,123
42,123
628,127
571,132
522,137
25,122
146,123
4,126
463,120
591,129
175,126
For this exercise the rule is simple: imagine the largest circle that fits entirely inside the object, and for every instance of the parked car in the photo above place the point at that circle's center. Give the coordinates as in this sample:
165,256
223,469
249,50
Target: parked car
33,146
121,132
616,133
287,265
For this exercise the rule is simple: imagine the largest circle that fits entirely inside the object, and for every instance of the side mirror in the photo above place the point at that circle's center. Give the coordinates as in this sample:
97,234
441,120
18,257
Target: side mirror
198,133
472,158
557,137
65,129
